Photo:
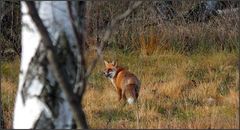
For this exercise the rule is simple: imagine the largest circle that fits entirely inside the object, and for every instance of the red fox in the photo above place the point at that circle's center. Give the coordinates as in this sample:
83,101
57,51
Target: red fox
126,84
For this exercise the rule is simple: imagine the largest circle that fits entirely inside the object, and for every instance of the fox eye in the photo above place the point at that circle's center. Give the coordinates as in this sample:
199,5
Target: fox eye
109,70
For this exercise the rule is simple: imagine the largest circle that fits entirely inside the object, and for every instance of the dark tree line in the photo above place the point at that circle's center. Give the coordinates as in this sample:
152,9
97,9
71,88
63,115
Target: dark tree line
10,18
10,36
203,11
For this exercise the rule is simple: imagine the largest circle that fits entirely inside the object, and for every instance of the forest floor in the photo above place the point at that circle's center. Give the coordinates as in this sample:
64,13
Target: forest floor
177,91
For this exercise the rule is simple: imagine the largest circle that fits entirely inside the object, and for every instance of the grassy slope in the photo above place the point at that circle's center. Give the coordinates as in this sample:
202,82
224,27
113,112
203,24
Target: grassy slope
178,91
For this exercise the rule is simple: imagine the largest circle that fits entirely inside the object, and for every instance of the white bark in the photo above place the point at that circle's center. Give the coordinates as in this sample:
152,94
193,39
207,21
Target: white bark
32,110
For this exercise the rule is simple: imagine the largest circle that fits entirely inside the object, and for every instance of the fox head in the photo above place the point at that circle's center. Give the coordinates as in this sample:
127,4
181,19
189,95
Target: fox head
110,70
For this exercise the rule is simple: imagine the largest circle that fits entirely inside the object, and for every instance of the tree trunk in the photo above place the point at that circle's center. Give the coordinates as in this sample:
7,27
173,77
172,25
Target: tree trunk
40,102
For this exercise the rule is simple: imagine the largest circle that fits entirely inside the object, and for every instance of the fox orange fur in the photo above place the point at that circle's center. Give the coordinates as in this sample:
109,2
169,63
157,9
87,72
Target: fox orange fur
126,83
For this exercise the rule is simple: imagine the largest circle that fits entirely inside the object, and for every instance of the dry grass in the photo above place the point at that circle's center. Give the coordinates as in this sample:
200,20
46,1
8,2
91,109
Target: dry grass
148,43
9,81
8,98
178,91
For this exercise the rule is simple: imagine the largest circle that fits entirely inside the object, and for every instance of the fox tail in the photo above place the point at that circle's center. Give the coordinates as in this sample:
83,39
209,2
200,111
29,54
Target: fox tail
131,93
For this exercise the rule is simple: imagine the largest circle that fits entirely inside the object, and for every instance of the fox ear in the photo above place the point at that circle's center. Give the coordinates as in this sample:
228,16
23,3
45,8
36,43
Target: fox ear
106,63
114,63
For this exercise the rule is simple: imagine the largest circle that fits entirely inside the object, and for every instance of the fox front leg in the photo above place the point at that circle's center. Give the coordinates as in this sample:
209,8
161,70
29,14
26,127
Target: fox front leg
119,94
123,95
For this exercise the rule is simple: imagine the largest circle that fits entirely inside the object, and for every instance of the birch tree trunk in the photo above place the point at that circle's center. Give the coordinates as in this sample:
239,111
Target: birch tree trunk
40,102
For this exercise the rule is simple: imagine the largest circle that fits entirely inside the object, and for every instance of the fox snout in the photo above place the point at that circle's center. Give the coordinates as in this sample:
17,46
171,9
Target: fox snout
110,73
106,74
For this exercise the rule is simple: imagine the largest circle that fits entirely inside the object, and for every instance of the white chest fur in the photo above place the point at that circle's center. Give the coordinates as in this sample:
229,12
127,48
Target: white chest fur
113,83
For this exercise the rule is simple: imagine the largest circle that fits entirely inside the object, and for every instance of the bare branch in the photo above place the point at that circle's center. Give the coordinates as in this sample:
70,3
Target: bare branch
78,29
73,100
77,33
108,33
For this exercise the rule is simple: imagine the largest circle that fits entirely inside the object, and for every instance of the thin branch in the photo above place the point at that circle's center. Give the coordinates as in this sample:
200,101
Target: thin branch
77,33
72,99
78,29
108,33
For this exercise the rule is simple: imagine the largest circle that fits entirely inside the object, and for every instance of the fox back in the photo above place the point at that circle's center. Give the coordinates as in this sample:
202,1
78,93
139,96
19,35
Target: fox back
126,83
